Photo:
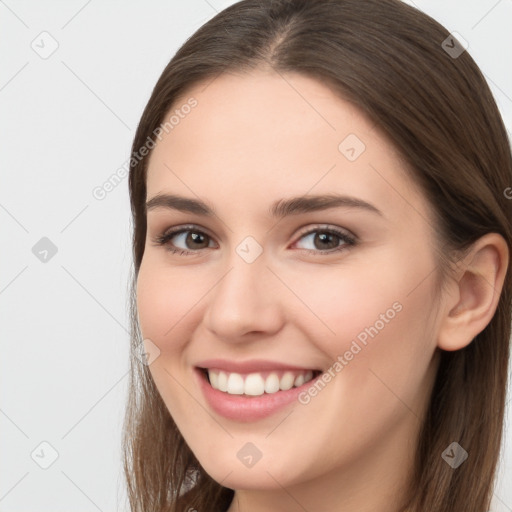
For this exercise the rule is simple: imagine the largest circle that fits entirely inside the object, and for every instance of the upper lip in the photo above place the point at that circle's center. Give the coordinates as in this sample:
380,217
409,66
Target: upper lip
253,365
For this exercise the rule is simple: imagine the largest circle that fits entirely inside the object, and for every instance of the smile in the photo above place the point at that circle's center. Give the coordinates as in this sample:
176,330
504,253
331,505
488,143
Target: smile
256,384
238,404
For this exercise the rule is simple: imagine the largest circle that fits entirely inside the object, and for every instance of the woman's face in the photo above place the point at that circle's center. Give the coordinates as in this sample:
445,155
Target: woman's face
282,287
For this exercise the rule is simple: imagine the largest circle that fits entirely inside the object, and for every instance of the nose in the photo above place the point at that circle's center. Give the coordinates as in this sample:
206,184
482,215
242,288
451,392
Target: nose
245,300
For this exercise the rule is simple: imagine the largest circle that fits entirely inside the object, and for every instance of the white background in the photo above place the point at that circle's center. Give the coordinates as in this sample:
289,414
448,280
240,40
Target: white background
67,123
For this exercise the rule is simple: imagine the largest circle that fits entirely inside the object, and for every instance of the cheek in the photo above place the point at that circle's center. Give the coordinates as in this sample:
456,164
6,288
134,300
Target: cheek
164,300
377,315
342,302
165,307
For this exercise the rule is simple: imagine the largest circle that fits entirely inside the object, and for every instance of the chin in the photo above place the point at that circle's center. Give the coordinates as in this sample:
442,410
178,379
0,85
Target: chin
263,475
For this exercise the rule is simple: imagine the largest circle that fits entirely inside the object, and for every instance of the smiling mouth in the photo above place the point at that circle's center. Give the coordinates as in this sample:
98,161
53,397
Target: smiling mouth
257,383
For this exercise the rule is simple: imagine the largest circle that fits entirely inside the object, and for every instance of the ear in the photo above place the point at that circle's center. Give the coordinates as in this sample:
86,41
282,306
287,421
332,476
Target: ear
474,293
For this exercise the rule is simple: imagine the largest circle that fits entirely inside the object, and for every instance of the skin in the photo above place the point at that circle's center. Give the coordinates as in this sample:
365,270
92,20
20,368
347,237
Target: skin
251,140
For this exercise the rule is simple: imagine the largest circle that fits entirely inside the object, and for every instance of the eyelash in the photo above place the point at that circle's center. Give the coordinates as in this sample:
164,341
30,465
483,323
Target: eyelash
163,239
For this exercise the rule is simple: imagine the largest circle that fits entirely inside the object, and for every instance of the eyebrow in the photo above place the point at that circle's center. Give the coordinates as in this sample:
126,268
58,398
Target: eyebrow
278,209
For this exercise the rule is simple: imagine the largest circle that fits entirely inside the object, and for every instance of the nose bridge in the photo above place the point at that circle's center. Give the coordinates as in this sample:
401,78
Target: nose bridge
244,299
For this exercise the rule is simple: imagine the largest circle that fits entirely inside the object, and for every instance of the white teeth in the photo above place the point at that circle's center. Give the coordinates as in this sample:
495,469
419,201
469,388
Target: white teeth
299,381
272,383
286,381
235,384
214,379
222,381
254,383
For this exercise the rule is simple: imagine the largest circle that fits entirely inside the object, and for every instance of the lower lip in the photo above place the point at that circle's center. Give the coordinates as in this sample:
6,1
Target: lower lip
246,409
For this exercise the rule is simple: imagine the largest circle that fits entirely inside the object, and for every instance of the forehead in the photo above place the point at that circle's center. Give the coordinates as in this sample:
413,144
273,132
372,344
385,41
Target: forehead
257,137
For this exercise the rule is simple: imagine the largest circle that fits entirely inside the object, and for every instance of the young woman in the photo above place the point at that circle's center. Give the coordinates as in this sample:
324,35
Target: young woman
322,228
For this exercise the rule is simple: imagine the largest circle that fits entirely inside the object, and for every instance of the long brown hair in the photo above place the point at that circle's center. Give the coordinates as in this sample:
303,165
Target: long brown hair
389,60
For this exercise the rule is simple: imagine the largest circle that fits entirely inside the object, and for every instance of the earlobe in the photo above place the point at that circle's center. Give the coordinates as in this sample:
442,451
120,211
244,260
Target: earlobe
476,292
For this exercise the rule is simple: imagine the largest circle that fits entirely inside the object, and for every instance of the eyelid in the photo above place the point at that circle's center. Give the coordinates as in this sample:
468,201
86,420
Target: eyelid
327,227
302,231
166,235
176,230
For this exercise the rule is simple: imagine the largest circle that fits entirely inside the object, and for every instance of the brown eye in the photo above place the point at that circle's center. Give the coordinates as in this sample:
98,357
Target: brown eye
195,239
325,241
192,239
